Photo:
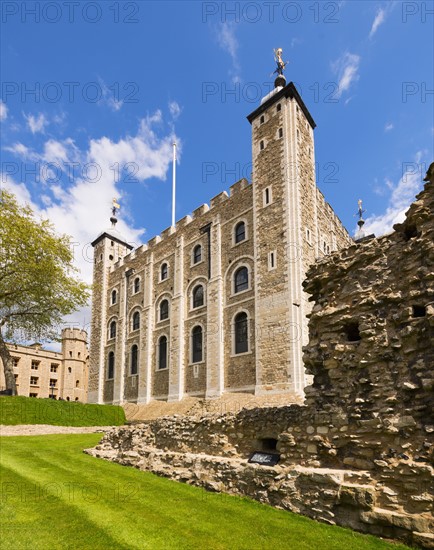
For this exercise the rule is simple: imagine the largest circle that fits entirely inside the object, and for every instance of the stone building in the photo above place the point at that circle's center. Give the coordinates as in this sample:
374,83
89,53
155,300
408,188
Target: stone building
44,373
215,304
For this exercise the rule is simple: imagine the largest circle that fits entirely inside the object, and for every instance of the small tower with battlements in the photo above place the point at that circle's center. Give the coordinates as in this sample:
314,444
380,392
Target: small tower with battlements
109,247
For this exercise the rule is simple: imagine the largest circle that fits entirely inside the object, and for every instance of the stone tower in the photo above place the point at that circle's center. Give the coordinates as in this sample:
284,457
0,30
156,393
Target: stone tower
288,234
75,364
109,247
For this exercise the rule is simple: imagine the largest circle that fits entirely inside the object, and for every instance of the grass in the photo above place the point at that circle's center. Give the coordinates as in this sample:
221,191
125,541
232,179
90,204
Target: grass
29,410
54,496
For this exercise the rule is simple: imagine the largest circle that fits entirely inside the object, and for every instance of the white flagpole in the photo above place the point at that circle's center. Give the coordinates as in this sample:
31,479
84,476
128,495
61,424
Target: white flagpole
174,185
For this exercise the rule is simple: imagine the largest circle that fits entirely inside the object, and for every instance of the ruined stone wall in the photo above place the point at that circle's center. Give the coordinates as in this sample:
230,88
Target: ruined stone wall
359,453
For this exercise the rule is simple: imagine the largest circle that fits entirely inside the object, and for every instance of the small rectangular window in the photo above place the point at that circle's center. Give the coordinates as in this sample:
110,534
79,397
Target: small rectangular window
54,367
53,382
261,145
271,260
308,236
280,132
34,380
267,196
35,365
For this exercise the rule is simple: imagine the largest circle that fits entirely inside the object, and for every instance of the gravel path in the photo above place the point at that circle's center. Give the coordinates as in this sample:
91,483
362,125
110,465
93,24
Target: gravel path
46,429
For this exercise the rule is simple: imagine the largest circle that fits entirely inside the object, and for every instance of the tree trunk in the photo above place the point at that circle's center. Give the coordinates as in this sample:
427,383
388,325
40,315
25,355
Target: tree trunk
8,366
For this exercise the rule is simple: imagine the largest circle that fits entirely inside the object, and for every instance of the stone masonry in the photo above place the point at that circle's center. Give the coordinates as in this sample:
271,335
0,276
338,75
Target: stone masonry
286,225
359,453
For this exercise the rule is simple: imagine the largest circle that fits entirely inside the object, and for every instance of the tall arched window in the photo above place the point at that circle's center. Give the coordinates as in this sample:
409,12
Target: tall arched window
196,345
136,321
111,366
164,310
241,333
162,353
114,296
134,356
198,296
112,331
240,232
197,254
136,285
164,271
241,279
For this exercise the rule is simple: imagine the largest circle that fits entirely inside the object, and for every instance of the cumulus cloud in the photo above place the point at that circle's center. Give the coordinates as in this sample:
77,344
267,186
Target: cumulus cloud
402,195
229,43
37,123
3,110
110,96
79,203
389,126
346,68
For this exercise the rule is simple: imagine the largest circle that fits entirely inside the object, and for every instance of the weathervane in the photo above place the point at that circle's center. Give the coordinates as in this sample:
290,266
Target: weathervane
361,222
115,208
279,61
280,79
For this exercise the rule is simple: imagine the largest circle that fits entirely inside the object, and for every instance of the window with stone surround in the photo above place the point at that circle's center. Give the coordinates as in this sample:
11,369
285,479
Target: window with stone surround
241,279
267,196
241,335
33,395
54,367
164,310
136,321
53,382
261,145
197,254
240,232
262,119
197,344
198,296
134,359
112,330
272,257
164,272
162,353
280,132
15,361
114,297
34,380
111,366
35,365
136,286
279,107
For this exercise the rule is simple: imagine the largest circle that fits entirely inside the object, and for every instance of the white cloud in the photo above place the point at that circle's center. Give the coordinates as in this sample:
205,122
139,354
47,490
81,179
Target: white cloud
174,109
346,69
389,126
81,208
229,43
402,196
110,96
36,124
3,111
379,19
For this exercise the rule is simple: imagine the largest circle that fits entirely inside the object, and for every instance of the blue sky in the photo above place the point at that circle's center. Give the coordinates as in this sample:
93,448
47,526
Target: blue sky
115,82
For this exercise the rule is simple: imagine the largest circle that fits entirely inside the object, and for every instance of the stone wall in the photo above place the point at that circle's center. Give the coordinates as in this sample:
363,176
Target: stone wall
359,453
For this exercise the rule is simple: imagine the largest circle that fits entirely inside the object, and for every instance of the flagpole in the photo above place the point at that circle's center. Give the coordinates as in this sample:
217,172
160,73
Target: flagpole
174,184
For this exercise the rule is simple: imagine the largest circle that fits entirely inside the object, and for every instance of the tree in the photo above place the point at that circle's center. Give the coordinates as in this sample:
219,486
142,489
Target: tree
37,282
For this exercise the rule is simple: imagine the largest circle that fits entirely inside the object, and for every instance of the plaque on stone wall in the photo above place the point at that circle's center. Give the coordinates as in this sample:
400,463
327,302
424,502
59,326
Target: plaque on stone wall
263,458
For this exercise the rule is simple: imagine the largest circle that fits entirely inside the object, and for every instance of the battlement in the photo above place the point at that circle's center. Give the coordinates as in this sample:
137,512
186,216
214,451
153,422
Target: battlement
73,333
240,185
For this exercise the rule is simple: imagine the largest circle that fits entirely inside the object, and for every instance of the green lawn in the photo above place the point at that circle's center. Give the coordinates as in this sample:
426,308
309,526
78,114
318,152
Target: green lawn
53,496
30,410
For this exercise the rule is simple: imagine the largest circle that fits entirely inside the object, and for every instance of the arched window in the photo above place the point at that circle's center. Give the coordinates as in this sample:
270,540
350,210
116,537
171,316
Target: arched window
241,279
114,296
240,232
136,320
198,296
112,332
136,285
241,333
164,310
197,254
134,355
111,366
77,383
164,271
162,353
196,345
